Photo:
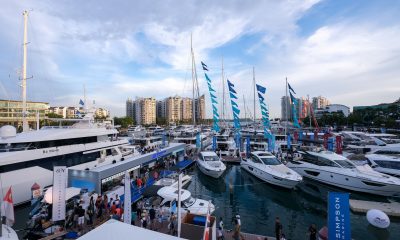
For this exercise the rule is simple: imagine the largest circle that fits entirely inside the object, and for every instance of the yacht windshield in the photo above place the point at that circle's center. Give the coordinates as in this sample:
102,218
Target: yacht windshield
345,163
189,202
270,161
211,158
388,164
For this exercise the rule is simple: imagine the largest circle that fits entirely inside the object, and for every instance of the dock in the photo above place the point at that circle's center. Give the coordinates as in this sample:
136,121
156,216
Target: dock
247,236
391,208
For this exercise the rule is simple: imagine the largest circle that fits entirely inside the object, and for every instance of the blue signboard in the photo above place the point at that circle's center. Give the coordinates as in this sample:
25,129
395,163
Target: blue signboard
300,137
198,141
270,148
248,146
237,140
330,144
158,154
338,216
163,139
289,141
214,143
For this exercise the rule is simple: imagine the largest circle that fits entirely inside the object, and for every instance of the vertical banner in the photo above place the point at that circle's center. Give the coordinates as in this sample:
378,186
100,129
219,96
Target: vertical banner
289,141
316,135
59,191
339,145
330,144
179,214
237,140
338,216
163,139
247,146
326,136
127,199
300,137
270,148
198,141
214,143
295,136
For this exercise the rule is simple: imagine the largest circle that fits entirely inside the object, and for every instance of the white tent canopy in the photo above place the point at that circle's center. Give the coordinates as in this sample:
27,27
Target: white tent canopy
70,193
113,229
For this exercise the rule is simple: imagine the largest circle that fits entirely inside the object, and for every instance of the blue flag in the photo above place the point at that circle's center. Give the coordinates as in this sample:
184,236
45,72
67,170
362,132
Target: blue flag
198,141
248,147
291,89
338,216
214,143
81,102
261,89
205,68
289,141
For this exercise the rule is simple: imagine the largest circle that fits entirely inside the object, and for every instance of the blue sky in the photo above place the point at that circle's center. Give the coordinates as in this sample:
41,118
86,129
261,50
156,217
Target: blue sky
348,51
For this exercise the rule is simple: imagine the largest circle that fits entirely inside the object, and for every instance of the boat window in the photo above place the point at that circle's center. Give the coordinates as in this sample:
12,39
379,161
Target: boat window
388,164
345,163
387,152
189,202
255,159
270,161
318,161
211,158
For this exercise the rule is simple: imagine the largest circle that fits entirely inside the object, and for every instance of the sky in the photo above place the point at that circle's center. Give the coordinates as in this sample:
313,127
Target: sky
347,51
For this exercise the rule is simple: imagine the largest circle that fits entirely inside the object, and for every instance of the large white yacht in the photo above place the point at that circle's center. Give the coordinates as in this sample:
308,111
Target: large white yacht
225,145
333,169
384,163
210,164
83,142
266,167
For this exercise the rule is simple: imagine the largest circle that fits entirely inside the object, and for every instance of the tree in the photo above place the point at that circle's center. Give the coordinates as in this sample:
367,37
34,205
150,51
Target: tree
124,122
54,115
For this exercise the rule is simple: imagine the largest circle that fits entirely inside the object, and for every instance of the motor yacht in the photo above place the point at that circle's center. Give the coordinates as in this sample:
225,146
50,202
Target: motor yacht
333,169
384,163
86,141
172,180
210,164
266,167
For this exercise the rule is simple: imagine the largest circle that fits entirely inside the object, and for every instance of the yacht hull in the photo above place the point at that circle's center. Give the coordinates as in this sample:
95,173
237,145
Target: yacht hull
346,181
269,178
209,172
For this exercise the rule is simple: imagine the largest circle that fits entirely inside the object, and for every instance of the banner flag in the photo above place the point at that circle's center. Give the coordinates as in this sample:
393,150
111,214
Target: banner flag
198,141
127,199
261,89
81,102
59,192
247,146
338,216
291,89
232,95
289,141
205,68
214,143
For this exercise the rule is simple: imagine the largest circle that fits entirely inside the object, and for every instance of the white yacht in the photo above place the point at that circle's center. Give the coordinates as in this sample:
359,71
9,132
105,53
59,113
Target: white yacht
210,164
196,206
150,142
225,145
384,163
136,131
172,180
370,141
333,169
190,140
266,167
83,142
155,130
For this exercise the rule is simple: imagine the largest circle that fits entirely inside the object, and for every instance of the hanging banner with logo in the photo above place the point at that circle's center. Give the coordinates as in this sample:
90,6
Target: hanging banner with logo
247,146
198,141
339,145
214,143
164,139
127,199
59,191
289,141
330,144
338,216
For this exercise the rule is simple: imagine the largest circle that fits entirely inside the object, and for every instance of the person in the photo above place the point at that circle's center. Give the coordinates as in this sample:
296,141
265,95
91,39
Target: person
220,234
81,217
155,175
283,237
105,203
139,182
236,232
90,211
113,208
312,230
152,214
171,225
117,201
278,228
143,219
221,223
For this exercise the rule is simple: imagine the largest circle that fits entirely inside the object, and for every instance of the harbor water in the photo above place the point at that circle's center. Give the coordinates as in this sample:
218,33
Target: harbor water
258,203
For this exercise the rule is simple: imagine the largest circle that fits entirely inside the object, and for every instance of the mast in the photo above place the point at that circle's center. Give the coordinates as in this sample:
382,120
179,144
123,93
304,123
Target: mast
245,112
286,103
223,89
254,97
309,109
193,99
25,126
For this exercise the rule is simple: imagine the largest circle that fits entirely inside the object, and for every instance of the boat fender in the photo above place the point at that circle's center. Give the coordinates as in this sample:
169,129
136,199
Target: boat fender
378,218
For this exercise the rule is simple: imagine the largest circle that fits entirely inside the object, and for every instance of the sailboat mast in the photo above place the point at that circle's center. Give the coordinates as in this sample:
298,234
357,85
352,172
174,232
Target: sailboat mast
25,126
254,97
193,99
245,112
286,103
309,109
223,89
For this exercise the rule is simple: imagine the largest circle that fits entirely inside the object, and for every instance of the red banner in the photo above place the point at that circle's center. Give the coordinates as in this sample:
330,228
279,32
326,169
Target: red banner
339,145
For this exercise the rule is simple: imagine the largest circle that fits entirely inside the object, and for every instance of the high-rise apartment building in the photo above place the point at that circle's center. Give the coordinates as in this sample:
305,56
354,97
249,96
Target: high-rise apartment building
286,109
173,109
187,109
320,102
161,109
130,109
200,108
148,111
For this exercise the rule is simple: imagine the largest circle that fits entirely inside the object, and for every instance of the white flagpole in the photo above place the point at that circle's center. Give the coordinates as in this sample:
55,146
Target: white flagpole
179,204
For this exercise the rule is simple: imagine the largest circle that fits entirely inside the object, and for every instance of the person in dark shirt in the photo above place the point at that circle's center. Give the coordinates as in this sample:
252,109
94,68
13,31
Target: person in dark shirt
152,214
278,228
312,230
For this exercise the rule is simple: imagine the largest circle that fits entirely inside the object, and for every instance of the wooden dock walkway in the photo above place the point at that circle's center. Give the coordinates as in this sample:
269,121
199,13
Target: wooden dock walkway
391,209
